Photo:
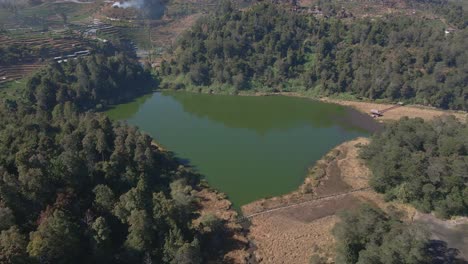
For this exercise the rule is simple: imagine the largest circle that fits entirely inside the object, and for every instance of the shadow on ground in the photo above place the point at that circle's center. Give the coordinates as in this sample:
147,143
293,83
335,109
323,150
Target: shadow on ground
442,254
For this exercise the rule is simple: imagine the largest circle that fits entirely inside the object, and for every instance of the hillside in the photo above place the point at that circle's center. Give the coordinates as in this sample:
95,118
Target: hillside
76,187
272,48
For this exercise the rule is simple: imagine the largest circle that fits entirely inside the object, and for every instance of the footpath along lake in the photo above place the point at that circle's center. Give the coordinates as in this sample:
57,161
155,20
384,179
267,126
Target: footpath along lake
249,147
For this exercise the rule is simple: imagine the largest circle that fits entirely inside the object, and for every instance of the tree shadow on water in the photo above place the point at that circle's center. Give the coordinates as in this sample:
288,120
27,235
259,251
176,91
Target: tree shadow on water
442,254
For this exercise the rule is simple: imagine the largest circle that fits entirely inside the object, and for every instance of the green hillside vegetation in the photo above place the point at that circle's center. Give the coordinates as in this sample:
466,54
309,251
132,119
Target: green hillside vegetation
98,81
454,12
78,188
369,236
422,163
451,12
272,48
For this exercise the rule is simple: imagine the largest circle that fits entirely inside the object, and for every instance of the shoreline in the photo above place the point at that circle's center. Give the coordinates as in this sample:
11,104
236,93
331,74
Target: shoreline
210,201
295,226
301,221
410,110
325,202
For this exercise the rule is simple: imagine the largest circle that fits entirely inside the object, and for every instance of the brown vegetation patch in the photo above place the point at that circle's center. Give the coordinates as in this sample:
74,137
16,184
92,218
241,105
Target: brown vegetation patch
166,34
309,212
282,239
338,172
215,203
293,227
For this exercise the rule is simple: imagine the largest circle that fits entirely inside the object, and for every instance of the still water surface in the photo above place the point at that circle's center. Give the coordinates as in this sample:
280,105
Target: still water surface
246,147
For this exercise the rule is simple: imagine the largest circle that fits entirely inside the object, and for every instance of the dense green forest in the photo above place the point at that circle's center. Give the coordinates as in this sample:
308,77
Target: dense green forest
76,187
453,11
273,48
97,81
422,163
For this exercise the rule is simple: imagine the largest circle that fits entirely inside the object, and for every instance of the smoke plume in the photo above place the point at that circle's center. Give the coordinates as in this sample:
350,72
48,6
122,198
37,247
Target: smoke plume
153,9
132,3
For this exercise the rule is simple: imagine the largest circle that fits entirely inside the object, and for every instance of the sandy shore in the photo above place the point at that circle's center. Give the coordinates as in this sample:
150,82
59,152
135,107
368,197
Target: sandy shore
425,113
411,111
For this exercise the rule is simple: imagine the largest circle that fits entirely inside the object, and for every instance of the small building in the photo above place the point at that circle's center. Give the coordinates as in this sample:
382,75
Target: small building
449,30
376,113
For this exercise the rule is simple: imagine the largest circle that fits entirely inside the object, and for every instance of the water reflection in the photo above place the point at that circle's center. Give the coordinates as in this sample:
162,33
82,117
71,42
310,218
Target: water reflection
247,147
271,112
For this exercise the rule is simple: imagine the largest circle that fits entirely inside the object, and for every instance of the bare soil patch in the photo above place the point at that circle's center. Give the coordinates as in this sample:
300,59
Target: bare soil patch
425,113
412,111
166,34
454,232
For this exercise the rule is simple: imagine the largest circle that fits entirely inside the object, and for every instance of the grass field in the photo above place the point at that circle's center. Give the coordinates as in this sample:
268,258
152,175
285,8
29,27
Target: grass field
14,89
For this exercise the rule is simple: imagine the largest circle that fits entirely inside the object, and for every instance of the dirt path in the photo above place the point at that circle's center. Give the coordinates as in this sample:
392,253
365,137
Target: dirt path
318,199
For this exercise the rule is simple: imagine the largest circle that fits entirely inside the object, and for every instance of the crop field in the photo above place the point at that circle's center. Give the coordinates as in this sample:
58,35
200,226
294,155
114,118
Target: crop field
54,15
32,50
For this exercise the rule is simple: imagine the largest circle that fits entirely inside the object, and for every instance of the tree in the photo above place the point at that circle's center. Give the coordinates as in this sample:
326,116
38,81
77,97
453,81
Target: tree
368,235
104,198
422,163
188,253
56,240
7,219
395,57
140,232
12,246
101,231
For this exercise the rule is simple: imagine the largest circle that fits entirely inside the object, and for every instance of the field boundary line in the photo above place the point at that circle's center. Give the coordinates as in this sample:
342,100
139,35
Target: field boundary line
305,202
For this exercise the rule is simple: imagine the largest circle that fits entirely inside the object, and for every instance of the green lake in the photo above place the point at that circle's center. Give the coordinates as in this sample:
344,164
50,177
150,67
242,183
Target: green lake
245,146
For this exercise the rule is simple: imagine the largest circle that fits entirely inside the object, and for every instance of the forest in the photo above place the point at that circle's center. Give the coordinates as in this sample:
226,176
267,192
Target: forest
424,163
95,82
76,187
272,48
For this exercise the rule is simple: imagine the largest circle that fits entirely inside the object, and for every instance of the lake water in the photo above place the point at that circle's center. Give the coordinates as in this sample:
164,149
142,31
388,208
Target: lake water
247,147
